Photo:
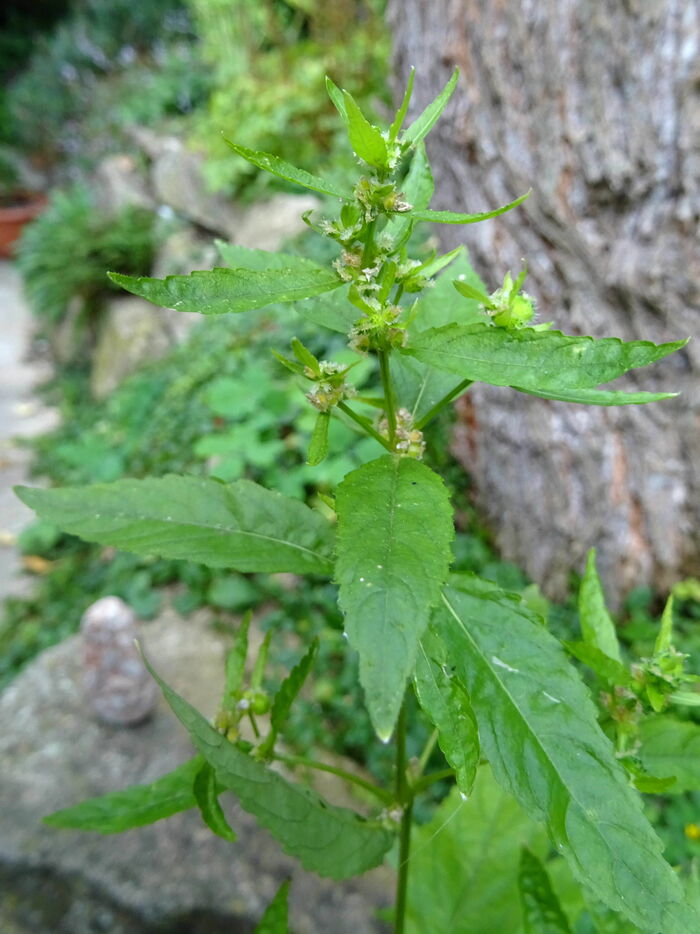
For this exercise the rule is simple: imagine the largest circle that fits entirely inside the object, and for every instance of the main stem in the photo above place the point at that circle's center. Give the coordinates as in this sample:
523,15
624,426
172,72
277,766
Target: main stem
388,388
404,796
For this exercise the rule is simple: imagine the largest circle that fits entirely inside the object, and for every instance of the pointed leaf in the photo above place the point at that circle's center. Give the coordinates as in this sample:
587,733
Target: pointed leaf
394,534
235,663
539,730
419,386
417,189
337,99
276,917
332,311
222,291
134,807
290,687
318,446
600,396
542,913
450,217
609,669
469,291
329,840
403,109
205,788
243,257
597,626
441,304
432,268
445,702
236,525
287,171
366,139
463,871
424,123
530,359
665,636
672,747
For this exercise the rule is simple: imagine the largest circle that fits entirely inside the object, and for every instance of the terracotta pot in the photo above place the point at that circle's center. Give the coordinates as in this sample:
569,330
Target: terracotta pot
14,217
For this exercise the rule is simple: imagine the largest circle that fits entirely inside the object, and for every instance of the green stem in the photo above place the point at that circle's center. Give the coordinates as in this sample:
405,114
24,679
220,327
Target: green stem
439,406
384,796
429,780
368,249
425,755
388,395
402,881
365,425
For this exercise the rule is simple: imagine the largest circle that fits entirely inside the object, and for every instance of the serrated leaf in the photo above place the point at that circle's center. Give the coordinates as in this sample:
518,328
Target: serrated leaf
441,304
398,120
205,788
318,446
671,747
290,687
394,533
243,257
542,913
600,396
539,730
276,917
609,669
665,635
290,173
223,291
236,525
417,189
365,139
134,807
597,626
419,386
445,702
424,123
463,871
235,663
530,359
332,311
450,217
329,840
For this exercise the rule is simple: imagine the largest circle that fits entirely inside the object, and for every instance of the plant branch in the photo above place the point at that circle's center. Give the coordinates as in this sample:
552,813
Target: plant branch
439,406
384,796
388,395
365,425
429,780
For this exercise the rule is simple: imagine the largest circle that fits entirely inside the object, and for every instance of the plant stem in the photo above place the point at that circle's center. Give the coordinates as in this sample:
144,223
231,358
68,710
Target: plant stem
388,395
404,795
384,796
425,755
402,881
429,780
365,425
439,406
368,249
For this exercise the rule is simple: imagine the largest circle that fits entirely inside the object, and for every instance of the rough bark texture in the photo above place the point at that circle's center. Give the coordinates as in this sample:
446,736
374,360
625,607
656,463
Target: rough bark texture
595,104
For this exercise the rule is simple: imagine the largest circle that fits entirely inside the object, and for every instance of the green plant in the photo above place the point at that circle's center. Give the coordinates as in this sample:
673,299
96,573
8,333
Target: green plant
482,666
63,253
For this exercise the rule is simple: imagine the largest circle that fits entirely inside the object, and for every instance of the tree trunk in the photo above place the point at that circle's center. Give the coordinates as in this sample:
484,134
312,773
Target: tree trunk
595,105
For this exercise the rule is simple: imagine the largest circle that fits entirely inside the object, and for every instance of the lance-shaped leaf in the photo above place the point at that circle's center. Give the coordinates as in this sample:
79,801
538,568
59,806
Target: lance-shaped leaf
318,446
451,217
290,173
337,99
539,730
609,669
276,917
445,702
542,913
600,396
206,792
329,840
398,120
332,311
366,139
394,534
417,189
290,687
243,257
135,806
222,291
237,525
597,626
530,359
424,123
672,747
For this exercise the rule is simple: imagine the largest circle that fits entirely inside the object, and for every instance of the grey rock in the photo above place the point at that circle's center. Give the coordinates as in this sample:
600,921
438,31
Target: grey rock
120,183
172,877
132,332
267,224
118,687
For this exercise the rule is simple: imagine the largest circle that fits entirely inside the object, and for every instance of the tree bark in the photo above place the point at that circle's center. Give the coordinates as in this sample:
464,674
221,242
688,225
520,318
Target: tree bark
595,105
